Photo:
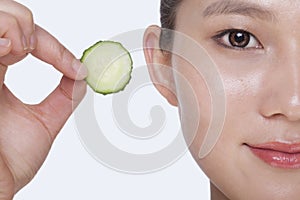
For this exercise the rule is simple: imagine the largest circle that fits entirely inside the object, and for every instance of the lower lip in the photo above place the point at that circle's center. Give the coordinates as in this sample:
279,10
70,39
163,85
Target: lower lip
277,159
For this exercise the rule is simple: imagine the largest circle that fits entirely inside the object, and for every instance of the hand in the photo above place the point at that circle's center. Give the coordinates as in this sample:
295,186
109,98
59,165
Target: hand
28,131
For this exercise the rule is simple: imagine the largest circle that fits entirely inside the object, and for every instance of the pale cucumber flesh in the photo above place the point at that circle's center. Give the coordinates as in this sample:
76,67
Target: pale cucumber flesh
109,67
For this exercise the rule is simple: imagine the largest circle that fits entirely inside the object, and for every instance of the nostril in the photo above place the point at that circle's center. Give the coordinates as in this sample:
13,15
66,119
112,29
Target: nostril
289,114
281,100
275,116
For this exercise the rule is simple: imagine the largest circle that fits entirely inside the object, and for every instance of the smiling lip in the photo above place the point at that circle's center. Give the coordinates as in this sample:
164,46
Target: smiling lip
278,154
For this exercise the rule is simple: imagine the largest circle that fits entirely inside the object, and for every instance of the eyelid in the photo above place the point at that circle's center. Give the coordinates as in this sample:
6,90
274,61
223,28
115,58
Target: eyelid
220,34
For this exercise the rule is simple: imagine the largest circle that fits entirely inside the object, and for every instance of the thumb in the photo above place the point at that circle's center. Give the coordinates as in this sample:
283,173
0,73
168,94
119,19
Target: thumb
7,189
5,46
59,105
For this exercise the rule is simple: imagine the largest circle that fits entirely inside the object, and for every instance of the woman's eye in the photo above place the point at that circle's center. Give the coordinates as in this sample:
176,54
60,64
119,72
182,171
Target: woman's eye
238,39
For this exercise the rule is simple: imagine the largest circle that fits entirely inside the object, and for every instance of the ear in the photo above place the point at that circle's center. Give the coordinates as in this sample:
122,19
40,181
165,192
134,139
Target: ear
159,65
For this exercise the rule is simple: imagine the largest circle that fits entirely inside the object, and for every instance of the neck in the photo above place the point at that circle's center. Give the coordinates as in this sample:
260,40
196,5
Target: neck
216,194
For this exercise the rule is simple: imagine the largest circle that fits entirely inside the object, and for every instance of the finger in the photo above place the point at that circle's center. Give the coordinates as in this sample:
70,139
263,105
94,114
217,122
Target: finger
5,46
24,17
59,105
12,47
11,30
50,50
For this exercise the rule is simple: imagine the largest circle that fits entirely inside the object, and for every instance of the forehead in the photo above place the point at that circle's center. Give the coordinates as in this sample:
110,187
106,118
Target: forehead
282,11
279,6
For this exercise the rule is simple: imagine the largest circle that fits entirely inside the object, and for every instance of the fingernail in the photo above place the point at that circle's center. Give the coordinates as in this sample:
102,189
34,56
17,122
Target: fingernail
25,46
80,69
5,42
32,42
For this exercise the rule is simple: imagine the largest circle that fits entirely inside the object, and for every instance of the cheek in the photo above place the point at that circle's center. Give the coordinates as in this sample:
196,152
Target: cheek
197,106
194,103
243,83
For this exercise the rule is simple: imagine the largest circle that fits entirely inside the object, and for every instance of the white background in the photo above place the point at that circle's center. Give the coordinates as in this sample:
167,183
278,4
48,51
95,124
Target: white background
69,171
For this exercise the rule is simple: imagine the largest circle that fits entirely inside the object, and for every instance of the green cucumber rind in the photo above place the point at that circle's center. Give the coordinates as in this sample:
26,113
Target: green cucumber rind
86,53
115,91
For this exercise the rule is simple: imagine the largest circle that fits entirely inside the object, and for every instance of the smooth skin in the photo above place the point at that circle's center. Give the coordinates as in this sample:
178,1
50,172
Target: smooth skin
262,86
28,131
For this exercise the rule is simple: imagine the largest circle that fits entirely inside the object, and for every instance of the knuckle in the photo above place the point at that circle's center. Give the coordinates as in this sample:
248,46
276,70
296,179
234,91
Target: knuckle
23,10
28,16
11,20
26,20
7,20
62,55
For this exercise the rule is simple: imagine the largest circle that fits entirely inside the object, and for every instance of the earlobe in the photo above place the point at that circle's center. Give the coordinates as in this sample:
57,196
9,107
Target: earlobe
159,65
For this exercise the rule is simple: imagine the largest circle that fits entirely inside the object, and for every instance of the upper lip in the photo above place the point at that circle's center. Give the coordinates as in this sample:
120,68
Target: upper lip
278,146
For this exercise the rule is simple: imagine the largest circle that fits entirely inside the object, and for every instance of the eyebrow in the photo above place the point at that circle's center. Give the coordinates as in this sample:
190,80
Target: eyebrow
236,7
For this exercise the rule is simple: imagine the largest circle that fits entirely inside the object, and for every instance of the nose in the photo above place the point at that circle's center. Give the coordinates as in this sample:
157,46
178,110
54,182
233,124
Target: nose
282,89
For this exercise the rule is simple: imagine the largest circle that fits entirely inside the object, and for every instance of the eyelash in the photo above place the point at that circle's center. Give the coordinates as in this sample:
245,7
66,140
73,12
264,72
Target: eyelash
223,39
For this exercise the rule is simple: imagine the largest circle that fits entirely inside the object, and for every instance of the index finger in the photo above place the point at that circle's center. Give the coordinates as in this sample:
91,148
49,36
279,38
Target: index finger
51,51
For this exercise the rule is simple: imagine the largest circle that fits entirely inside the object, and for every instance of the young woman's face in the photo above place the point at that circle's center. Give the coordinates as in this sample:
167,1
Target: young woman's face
256,46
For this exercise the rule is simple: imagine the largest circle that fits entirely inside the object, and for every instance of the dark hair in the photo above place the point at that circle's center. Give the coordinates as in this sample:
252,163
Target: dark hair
168,11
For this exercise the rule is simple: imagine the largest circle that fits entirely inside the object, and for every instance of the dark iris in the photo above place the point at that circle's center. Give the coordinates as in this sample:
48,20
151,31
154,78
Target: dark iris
239,39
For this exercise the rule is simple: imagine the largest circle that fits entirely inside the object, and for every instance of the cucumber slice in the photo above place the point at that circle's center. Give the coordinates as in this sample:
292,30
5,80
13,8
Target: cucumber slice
109,67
